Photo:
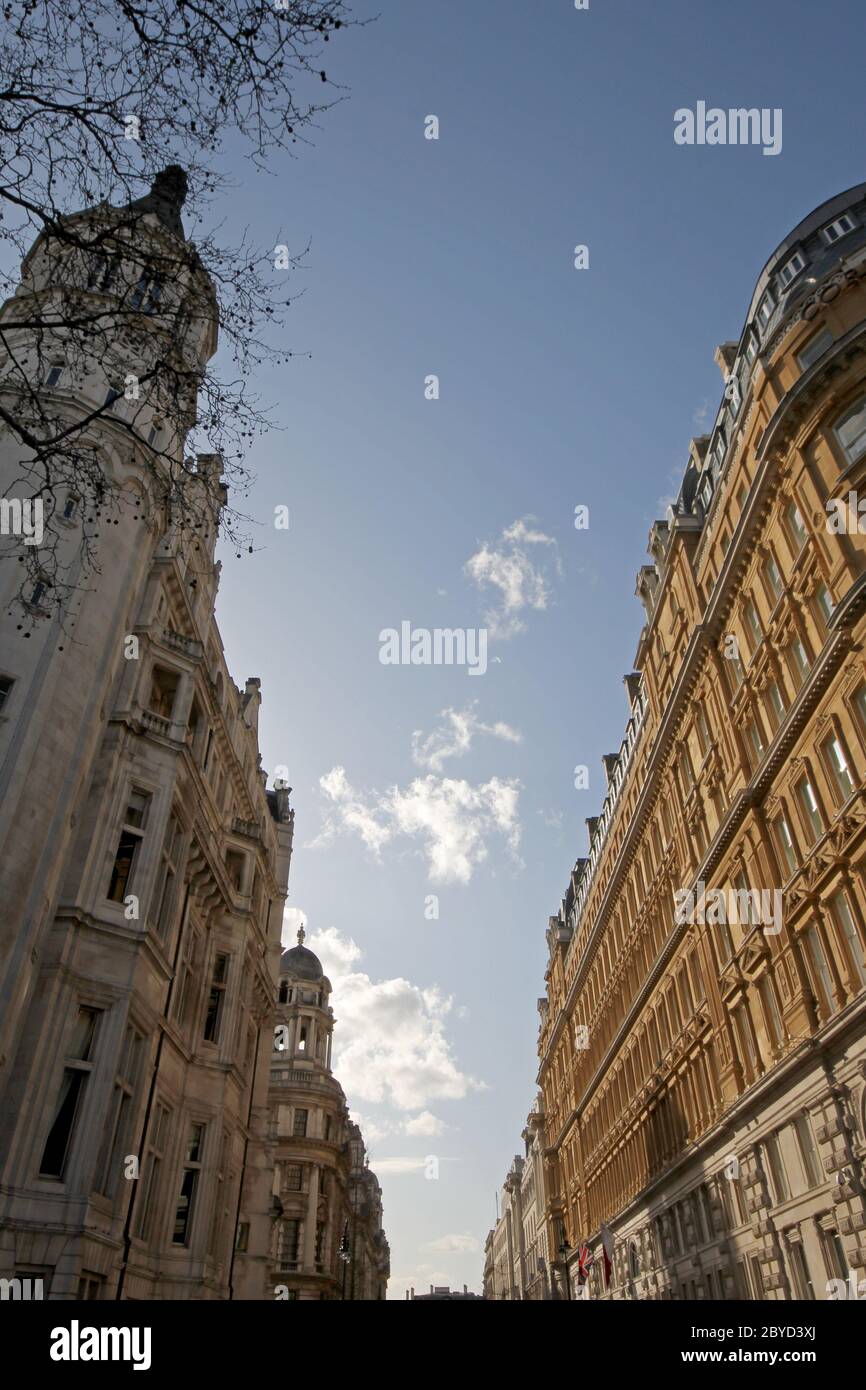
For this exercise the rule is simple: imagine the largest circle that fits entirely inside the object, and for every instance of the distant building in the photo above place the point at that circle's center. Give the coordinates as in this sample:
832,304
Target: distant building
327,1240
444,1294
516,1257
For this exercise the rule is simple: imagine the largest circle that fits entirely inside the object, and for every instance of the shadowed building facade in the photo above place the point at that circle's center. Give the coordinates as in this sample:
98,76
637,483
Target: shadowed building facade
143,862
703,1035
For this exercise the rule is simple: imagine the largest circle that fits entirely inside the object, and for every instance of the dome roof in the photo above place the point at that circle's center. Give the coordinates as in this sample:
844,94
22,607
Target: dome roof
301,962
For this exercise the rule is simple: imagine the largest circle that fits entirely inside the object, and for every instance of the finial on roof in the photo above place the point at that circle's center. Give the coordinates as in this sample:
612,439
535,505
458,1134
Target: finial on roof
301,935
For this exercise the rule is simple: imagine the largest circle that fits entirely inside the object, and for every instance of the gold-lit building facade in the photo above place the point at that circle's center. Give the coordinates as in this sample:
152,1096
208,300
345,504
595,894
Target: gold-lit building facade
703,1035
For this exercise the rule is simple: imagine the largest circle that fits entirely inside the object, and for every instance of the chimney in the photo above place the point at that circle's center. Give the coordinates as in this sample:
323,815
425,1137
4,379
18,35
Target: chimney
724,357
632,685
610,761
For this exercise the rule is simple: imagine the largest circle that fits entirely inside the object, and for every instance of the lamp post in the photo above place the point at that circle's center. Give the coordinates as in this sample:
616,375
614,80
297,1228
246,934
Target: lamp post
563,1255
345,1256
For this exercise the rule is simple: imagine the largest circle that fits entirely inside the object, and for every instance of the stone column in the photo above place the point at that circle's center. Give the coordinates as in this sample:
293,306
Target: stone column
310,1223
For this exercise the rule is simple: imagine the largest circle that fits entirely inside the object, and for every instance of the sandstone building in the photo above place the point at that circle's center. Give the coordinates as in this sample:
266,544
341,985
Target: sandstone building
703,1035
143,862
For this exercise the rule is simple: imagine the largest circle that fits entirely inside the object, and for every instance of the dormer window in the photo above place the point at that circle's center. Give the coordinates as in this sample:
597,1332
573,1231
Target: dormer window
53,374
765,310
834,231
791,269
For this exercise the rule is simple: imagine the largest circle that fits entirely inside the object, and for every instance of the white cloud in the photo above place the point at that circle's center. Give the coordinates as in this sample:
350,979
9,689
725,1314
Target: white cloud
451,818
423,1126
454,737
390,1044
523,583
399,1165
454,1245
293,918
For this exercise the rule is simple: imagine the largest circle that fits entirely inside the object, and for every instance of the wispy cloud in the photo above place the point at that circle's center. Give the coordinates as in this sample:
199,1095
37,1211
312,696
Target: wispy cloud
451,818
511,566
454,737
454,1245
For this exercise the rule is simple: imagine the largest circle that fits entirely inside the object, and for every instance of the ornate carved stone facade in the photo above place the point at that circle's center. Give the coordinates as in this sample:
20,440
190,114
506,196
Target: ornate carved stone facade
143,862
703,1036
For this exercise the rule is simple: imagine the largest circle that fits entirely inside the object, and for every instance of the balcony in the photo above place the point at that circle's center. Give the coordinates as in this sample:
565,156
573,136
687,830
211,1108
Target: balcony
186,646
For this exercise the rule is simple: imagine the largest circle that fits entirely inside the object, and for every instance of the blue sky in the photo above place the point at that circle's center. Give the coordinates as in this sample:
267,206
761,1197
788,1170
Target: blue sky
557,388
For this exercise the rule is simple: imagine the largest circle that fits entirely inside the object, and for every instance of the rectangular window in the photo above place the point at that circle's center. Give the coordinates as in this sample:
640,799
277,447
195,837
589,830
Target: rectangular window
152,1171
747,1044
754,625
834,757
293,1177
824,603
53,374
773,577
765,310
851,431
834,1254
164,894
796,526
118,1129
809,807
78,1067
821,971
791,269
771,1011
845,919
290,1240
860,706
776,703
188,1186
800,1269
834,231
129,845
785,844
815,348
757,740
703,729
799,660
216,998
808,1151
299,1126
781,1191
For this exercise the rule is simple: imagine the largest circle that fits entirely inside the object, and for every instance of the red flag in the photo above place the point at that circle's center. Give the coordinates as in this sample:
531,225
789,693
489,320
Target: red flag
607,1252
585,1262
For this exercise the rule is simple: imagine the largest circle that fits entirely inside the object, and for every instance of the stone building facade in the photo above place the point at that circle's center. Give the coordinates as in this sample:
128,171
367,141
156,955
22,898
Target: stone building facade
703,1035
327,1241
516,1256
143,861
